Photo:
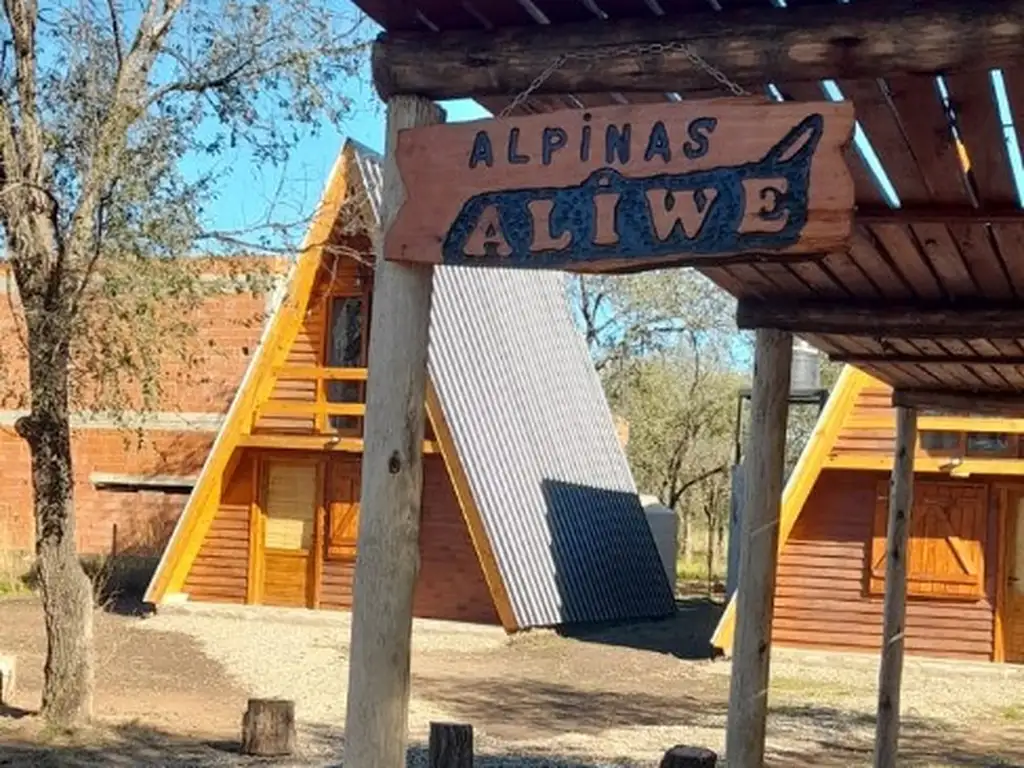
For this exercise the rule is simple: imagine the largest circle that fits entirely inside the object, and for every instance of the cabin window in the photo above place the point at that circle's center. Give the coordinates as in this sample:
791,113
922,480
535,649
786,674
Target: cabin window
289,503
940,443
991,444
946,550
345,349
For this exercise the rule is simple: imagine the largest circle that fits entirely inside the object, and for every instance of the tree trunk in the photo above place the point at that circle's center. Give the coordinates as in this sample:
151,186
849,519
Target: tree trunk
684,534
66,590
711,552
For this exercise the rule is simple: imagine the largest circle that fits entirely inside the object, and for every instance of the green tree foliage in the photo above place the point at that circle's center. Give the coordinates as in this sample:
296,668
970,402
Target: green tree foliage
673,363
115,123
670,358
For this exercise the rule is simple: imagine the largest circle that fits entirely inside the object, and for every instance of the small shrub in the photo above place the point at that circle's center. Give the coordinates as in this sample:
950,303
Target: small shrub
119,577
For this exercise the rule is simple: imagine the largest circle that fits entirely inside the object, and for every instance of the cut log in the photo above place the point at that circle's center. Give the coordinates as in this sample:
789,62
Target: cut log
894,607
689,757
759,550
392,487
752,45
451,746
7,666
986,320
268,728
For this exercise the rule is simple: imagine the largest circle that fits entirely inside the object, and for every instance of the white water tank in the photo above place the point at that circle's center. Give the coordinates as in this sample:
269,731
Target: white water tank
805,370
664,525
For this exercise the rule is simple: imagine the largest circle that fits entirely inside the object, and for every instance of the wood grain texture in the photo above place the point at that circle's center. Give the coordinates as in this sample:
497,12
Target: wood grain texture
392,480
890,673
753,45
748,695
627,187
450,746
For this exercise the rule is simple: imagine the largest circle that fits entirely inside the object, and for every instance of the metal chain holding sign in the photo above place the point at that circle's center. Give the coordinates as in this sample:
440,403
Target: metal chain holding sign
635,50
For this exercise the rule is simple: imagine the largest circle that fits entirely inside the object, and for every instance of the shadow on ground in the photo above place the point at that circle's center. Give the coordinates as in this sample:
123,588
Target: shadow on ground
842,743
686,634
133,744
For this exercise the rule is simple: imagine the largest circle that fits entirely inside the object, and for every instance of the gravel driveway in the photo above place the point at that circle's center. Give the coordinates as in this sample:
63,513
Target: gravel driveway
618,696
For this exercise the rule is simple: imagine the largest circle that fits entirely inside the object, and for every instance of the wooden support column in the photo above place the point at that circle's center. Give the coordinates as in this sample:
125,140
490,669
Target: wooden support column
890,672
755,595
392,484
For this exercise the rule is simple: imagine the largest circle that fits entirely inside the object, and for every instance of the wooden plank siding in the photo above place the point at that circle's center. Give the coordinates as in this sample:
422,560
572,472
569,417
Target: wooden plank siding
451,582
220,571
822,598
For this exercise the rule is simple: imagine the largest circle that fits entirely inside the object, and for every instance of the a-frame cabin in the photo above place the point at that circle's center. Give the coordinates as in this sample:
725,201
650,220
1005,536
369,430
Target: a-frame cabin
965,581
530,515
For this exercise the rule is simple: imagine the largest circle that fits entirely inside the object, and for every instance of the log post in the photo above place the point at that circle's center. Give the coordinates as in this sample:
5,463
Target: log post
890,671
392,485
7,665
689,757
755,593
451,746
268,728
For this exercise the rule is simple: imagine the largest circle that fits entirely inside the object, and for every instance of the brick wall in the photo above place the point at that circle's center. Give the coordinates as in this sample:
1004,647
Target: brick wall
229,329
144,518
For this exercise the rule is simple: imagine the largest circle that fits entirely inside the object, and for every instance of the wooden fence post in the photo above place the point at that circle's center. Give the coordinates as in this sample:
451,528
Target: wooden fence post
689,757
388,544
268,728
890,671
451,746
7,666
755,595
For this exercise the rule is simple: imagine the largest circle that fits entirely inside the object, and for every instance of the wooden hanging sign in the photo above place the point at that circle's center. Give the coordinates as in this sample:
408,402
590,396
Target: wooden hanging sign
627,187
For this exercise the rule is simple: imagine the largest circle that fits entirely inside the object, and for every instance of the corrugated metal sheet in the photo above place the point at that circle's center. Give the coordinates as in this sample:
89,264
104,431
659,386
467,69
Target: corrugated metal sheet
535,434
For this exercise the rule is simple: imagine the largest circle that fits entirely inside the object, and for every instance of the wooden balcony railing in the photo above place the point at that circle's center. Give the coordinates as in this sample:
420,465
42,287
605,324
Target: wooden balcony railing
318,408
301,416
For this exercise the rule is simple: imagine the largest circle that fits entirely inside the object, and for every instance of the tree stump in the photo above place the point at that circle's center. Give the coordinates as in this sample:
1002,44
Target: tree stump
268,728
6,680
689,757
451,746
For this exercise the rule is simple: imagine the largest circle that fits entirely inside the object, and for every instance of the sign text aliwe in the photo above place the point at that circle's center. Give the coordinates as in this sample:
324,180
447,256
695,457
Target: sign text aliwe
630,187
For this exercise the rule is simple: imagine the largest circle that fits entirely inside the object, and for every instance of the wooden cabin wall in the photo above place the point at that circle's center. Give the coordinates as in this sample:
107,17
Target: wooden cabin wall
822,600
220,571
305,352
451,583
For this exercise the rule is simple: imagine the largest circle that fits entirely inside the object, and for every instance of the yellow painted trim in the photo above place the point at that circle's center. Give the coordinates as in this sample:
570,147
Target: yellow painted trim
959,469
314,443
257,384
942,423
470,511
805,474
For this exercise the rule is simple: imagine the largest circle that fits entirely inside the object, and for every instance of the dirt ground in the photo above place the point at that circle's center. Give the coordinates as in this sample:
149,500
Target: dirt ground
171,689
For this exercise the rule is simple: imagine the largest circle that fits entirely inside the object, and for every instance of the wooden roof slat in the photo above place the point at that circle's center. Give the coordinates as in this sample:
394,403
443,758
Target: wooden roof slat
823,281
865,186
878,266
850,274
957,260
901,243
786,282
1009,372
988,373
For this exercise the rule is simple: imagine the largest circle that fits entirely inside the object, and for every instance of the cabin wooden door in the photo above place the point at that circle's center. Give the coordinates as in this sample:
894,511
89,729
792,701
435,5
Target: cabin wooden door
1013,576
290,502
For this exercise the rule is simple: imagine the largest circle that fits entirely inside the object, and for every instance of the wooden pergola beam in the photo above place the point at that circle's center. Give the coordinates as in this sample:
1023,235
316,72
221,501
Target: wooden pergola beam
884,320
750,45
939,214
1006,405
898,359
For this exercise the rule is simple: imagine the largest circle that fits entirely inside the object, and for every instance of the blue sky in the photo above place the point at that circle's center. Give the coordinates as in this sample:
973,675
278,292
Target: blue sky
249,188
